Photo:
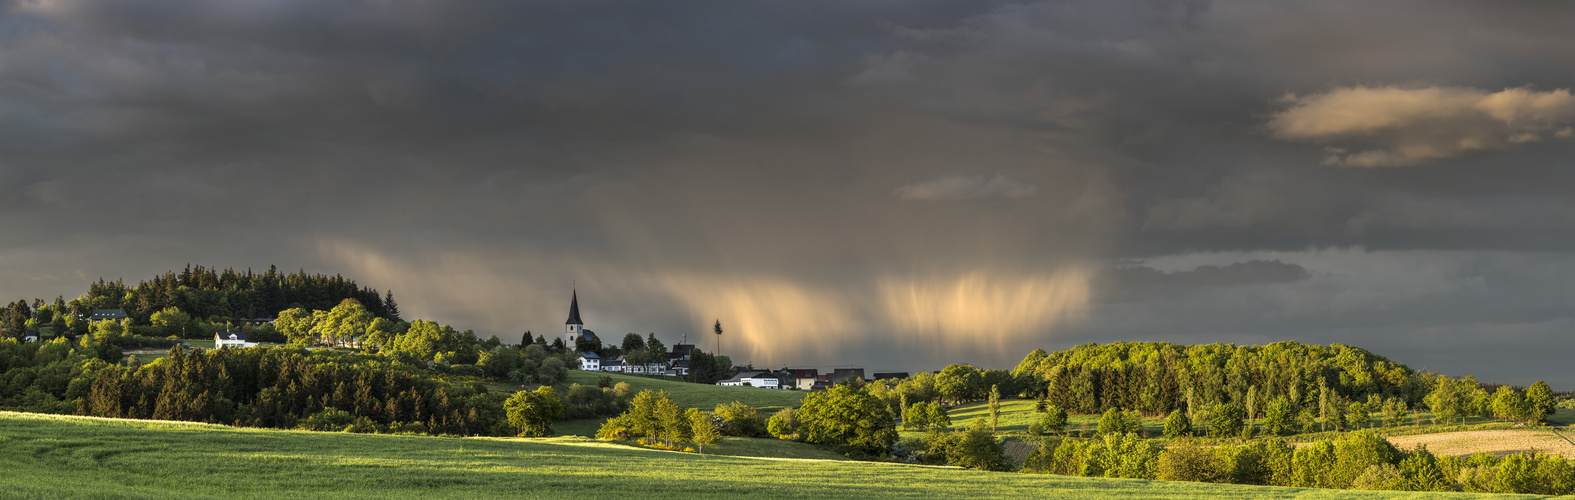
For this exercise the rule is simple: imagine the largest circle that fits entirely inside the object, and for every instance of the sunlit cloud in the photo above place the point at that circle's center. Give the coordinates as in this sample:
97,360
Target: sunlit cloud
1395,126
967,187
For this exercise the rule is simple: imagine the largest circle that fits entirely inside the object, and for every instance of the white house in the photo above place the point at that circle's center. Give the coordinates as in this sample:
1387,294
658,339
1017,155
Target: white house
589,361
231,339
763,380
614,365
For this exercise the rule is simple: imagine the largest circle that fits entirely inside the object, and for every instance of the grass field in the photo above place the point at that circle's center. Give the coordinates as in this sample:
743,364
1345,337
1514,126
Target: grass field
696,395
82,457
684,394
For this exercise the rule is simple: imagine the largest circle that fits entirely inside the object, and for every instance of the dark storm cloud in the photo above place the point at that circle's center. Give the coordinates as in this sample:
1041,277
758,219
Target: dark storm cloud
945,173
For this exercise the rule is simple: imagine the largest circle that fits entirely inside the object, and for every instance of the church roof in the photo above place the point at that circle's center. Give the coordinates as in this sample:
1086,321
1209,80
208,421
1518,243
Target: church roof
574,310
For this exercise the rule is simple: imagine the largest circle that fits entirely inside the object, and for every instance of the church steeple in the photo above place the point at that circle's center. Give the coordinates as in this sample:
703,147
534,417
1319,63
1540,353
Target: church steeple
574,325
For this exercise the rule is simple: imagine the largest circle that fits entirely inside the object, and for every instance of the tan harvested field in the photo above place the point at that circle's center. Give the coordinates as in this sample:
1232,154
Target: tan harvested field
1501,442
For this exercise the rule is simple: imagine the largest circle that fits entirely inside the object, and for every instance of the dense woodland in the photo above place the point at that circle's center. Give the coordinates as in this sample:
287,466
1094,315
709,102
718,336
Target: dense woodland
1157,377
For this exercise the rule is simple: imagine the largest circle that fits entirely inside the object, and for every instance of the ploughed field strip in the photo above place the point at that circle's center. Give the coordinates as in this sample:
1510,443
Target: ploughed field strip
74,457
1497,442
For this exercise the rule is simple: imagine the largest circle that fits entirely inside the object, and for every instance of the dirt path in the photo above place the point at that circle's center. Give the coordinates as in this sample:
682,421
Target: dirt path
1501,442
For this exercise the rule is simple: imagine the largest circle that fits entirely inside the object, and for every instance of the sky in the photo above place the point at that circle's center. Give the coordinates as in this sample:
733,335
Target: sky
896,185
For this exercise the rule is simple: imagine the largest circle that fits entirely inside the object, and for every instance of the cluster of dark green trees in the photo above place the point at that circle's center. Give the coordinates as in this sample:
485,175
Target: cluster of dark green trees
209,292
1359,460
280,388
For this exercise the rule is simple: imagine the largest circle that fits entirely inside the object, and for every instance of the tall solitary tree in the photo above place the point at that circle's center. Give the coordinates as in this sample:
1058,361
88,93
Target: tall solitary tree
718,329
995,407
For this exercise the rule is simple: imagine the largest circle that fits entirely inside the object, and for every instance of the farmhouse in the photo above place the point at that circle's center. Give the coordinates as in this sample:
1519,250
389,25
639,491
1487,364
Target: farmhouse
110,314
764,380
590,361
231,339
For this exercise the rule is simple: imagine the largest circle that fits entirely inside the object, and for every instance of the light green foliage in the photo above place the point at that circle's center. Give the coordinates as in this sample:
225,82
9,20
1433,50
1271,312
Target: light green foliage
782,423
974,447
1540,398
1187,461
1508,404
532,412
959,383
426,339
345,322
847,417
1394,412
1054,420
703,429
1279,416
330,419
296,325
1225,420
1356,452
171,321
1115,421
738,419
1358,415
1380,477
1130,456
995,407
1177,425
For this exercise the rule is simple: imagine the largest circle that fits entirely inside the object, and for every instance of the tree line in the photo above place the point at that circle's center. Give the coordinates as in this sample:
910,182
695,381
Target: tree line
229,294
1158,377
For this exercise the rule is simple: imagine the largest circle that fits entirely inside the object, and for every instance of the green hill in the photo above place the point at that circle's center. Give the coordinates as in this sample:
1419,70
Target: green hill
83,457
696,395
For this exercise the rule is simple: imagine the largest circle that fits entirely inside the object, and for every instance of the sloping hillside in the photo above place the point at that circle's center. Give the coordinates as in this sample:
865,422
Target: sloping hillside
54,457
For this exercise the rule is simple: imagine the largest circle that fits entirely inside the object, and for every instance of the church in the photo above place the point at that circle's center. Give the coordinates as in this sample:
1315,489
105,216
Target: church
574,326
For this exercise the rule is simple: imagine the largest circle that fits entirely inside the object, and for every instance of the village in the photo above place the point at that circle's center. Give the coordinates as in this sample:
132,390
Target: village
677,363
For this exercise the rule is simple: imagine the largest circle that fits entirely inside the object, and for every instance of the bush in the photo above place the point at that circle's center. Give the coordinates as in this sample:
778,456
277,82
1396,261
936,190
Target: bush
739,419
1177,426
1186,461
1380,477
973,448
1225,420
330,419
782,423
1054,420
1115,421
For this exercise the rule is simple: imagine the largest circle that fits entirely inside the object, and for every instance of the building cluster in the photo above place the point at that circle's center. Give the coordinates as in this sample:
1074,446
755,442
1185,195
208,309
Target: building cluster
677,364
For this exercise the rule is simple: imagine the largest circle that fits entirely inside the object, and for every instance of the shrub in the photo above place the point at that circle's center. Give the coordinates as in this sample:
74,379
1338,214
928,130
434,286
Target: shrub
330,419
1186,461
1380,477
782,423
1177,426
973,448
1225,420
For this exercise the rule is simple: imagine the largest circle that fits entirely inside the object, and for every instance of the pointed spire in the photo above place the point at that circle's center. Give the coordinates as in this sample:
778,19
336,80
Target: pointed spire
574,310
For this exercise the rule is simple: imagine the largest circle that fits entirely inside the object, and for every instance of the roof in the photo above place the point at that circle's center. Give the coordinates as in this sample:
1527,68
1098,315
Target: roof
588,335
226,335
896,375
683,349
741,376
589,355
804,372
574,310
108,314
613,362
842,373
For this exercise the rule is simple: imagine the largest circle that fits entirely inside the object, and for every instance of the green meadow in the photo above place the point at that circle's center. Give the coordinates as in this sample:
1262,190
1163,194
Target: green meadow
686,395
49,456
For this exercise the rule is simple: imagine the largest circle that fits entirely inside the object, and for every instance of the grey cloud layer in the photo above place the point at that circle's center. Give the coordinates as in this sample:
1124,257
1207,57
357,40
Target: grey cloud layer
856,162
